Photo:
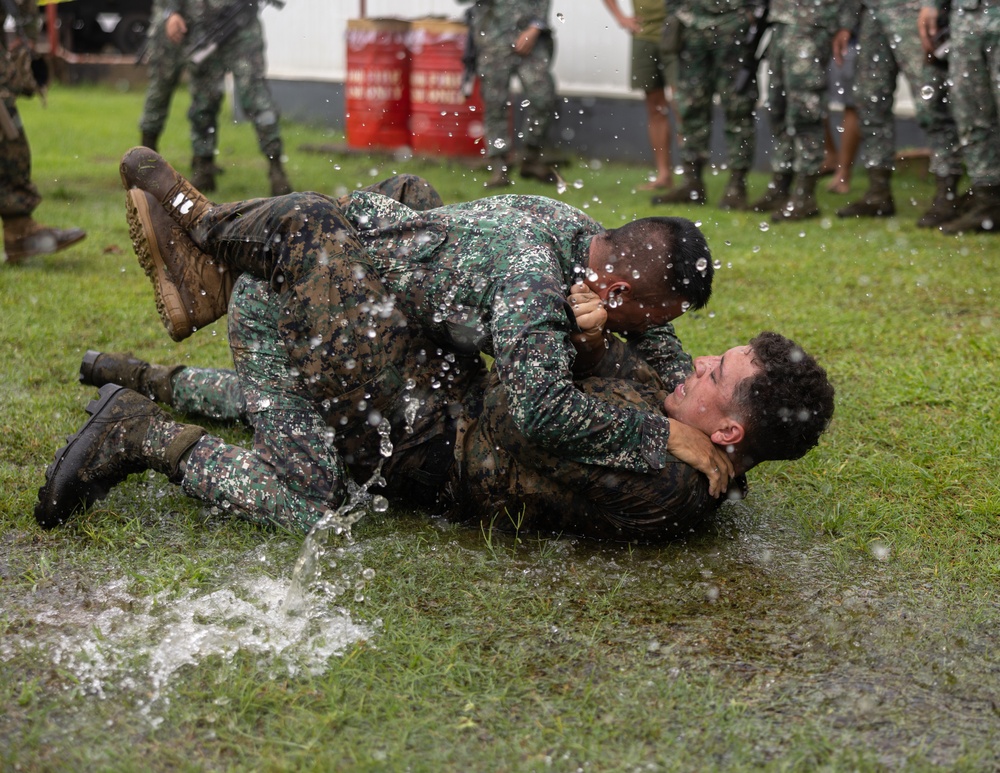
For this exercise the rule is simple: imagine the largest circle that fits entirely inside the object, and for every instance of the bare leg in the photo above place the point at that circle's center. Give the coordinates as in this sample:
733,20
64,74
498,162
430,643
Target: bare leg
849,141
658,122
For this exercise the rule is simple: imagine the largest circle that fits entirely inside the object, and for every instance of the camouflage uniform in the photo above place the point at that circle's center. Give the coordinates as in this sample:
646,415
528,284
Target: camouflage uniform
18,194
973,65
888,43
491,275
712,52
242,54
496,25
166,66
797,57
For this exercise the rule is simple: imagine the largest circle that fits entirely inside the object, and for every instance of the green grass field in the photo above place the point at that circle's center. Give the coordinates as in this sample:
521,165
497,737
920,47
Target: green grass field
844,617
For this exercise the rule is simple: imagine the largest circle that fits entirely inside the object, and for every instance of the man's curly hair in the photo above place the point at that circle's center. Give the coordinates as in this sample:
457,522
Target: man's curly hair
787,405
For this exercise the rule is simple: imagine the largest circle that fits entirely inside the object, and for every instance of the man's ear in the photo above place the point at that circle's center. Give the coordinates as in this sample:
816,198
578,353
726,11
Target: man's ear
615,287
728,435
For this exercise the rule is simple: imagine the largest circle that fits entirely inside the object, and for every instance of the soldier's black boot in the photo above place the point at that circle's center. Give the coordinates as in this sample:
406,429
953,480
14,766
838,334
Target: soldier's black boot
126,433
149,140
203,173
280,186
735,195
690,191
501,172
147,170
535,167
802,204
877,200
946,205
776,195
983,214
153,381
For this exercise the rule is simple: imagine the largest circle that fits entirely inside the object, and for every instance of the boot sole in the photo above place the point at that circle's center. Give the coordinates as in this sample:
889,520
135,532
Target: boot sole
169,302
63,493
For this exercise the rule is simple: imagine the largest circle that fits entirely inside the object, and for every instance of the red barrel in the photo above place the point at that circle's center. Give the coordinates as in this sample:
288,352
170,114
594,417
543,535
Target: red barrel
378,83
443,120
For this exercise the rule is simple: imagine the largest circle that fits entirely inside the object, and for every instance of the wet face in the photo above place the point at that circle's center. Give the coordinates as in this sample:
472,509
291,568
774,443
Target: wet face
703,400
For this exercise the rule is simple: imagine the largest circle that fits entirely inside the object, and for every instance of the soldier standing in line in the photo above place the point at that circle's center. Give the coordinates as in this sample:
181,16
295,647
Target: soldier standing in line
23,237
713,49
973,64
513,37
797,59
889,44
242,54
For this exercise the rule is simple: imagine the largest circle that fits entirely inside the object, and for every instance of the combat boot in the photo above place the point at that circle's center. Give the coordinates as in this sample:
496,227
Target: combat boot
149,140
147,170
946,205
501,172
126,433
690,191
776,196
191,289
735,195
152,381
802,205
280,186
203,171
25,238
983,214
533,166
877,200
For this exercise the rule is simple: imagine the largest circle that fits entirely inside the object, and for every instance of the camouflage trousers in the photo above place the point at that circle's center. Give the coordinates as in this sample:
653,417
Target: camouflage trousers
18,194
709,62
797,60
974,70
888,45
166,66
242,54
497,64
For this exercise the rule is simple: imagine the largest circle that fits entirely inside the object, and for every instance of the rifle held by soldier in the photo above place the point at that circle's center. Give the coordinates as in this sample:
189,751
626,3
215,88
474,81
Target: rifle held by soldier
747,73
231,18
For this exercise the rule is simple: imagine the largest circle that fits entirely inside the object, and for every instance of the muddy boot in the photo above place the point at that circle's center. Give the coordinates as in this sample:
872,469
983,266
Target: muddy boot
126,433
501,172
802,205
149,140
534,167
946,205
983,214
203,171
280,186
142,168
776,196
735,195
153,381
25,238
877,200
191,290
690,191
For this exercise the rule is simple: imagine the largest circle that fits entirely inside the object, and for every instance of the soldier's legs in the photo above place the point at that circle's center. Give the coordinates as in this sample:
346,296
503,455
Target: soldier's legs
694,95
18,195
206,101
495,70
808,57
738,108
782,148
535,73
166,66
244,53
874,88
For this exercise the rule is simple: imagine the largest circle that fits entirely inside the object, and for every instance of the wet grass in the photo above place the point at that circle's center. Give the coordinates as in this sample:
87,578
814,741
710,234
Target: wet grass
843,618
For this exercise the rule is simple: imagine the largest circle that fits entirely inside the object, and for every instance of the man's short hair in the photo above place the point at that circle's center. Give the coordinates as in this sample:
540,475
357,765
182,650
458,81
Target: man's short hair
786,406
665,255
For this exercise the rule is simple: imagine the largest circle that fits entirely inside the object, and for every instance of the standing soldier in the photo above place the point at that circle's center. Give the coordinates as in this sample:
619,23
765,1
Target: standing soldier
241,53
513,37
22,236
798,55
166,66
888,43
713,50
973,64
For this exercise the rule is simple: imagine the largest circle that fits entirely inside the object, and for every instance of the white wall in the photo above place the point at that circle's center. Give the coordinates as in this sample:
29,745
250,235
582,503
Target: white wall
306,40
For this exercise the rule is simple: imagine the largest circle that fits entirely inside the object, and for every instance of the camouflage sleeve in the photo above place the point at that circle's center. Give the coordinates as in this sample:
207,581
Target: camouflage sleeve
655,356
850,15
533,356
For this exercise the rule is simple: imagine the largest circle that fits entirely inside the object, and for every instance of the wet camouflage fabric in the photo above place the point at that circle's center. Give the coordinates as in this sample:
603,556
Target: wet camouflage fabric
797,61
215,394
512,484
888,43
490,275
712,53
165,68
242,54
496,25
18,194
974,69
